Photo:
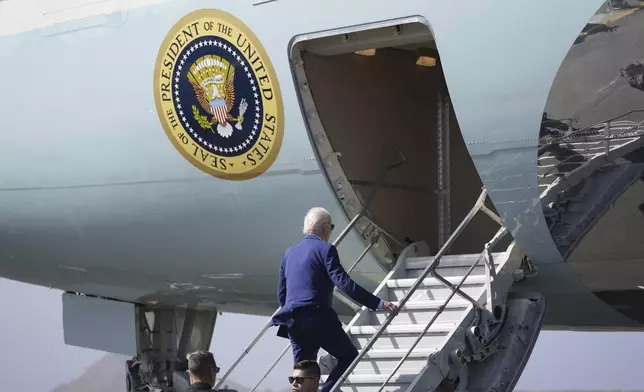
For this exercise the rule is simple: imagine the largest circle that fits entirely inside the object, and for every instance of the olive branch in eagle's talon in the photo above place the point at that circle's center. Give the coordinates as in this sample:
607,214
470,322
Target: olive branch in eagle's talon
202,120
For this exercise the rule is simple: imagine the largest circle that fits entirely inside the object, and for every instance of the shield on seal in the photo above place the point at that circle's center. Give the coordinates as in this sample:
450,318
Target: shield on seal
219,110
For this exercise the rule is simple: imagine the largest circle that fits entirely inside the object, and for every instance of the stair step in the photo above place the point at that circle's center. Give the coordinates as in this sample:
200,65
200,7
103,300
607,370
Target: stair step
432,289
401,336
454,303
401,329
384,361
397,353
372,382
433,282
384,366
452,265
421,312
449,261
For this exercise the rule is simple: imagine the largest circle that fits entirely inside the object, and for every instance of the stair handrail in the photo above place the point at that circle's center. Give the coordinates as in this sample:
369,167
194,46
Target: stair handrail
431,268
336,242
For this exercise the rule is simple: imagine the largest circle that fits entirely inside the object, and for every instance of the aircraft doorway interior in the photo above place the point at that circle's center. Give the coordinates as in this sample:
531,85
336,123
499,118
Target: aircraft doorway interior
371,94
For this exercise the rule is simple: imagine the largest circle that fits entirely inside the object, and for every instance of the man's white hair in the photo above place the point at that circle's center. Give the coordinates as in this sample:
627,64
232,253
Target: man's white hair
315,219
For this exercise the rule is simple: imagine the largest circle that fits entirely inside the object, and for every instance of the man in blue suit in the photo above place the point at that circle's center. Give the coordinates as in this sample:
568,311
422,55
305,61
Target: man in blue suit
309,271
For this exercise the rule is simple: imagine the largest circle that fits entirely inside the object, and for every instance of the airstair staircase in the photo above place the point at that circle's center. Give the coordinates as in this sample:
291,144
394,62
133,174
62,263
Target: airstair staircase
458,327
451,321
454,313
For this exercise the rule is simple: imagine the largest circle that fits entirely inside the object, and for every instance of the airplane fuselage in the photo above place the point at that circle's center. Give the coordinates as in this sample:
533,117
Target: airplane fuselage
105,192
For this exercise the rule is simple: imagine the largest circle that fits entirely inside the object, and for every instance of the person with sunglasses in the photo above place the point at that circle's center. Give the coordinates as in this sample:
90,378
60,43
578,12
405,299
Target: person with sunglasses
308,272
202,370
305,377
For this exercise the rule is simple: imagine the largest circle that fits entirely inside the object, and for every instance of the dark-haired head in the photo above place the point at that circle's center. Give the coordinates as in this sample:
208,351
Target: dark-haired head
202,368
305,377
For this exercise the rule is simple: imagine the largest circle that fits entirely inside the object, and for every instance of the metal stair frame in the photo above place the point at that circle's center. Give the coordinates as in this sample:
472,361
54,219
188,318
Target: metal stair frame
473,333
483,344
486,313
482,323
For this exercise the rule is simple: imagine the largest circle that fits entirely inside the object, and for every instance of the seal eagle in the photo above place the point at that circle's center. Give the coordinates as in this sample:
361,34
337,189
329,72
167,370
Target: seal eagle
216,93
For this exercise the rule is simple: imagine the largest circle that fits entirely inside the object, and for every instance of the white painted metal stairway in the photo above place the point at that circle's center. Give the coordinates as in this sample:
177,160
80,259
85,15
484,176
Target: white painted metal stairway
454,314
458,328
431,318
446,309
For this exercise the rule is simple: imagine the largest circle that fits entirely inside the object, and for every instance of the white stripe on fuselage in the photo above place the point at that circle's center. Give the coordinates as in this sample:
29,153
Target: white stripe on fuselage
18,16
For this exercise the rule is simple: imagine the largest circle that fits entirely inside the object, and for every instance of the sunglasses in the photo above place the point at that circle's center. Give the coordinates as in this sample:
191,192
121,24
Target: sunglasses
299,380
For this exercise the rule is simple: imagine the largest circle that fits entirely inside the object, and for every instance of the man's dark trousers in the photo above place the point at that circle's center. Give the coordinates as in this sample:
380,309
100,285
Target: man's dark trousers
312,328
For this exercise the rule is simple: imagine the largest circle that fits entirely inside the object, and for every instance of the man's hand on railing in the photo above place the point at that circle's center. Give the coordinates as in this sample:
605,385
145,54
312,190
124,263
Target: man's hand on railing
389,306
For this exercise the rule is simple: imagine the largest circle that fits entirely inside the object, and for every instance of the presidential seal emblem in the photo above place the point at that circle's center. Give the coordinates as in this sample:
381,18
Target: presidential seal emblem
217,96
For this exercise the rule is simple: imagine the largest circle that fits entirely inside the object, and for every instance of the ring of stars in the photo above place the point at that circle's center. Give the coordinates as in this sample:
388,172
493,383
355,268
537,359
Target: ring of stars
254,107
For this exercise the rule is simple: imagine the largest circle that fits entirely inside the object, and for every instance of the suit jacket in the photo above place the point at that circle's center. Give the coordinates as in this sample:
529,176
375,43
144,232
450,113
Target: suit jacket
308,272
